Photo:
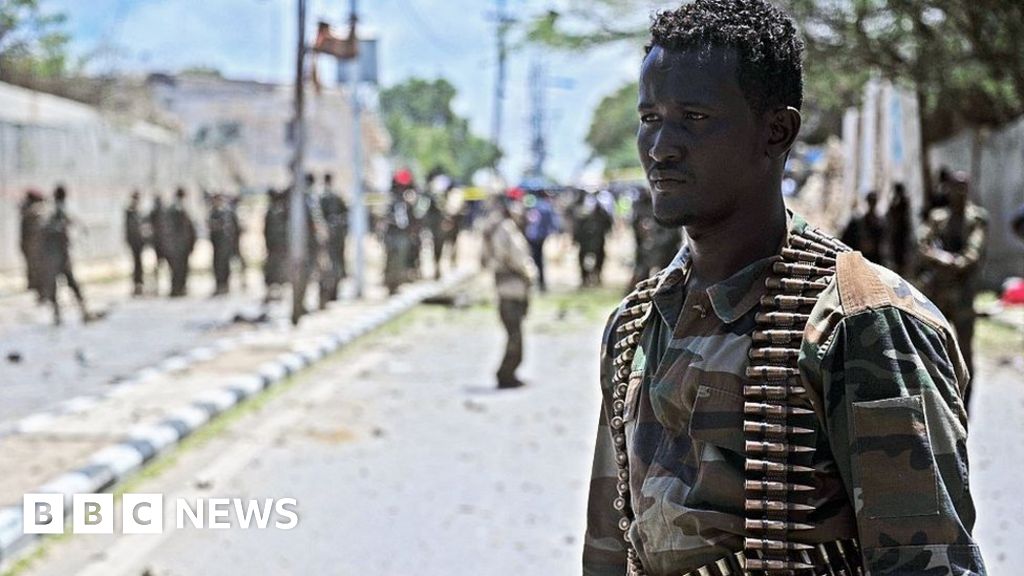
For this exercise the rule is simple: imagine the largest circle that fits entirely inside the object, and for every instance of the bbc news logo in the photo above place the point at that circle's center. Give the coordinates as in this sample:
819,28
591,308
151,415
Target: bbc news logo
144,513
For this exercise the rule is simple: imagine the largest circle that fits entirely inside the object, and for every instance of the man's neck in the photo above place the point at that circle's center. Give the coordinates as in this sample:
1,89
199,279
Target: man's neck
717,252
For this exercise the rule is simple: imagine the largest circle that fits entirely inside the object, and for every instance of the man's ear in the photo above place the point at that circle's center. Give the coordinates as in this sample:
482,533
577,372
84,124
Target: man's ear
783,127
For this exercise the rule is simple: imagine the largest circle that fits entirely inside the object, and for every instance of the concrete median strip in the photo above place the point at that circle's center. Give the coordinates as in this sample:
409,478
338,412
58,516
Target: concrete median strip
113,463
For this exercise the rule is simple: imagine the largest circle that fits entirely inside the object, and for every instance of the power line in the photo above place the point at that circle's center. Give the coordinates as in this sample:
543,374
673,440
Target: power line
423,27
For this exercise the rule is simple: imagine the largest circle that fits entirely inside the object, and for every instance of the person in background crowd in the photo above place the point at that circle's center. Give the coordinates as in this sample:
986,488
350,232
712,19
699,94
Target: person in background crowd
901,233
952,246
236,252
157,220
135,236
275,237
433,221
591,224
397,231
335,214
31,242
315,266
541,222
221,227
56,248
180,238
514,273
867,231
656,245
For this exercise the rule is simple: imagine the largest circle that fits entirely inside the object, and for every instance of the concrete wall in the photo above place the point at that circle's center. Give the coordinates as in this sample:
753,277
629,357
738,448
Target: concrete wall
228,135
45,140
995,160
251,120
881,146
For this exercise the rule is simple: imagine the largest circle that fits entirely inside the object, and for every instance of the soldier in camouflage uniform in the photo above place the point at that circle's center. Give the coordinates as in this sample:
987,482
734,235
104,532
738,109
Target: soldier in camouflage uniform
220,225
655,245
179,241
275,237
32,219
135,236
953,240
335,214
56,250
774,404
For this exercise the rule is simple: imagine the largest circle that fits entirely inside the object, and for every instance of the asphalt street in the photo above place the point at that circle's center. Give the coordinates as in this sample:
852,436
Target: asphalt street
402,458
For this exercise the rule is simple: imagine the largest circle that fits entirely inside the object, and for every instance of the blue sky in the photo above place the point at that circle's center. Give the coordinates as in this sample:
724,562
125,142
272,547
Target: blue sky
254,39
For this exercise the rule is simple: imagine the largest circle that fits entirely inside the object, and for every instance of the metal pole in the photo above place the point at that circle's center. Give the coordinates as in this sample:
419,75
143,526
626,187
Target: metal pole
358,215
499,86
296,201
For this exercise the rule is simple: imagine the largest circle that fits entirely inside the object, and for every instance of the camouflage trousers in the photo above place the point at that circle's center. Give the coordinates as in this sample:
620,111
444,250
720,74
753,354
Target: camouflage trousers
512,312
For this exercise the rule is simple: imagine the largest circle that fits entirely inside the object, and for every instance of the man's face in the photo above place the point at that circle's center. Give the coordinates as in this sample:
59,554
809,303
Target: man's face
700,144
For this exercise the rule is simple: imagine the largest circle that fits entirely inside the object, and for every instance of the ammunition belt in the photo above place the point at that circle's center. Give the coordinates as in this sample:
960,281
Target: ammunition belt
779,444
836,558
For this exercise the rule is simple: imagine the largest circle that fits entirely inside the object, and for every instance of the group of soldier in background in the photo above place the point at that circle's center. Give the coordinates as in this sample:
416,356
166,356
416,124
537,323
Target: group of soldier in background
944,255
170,232
326,217
437,212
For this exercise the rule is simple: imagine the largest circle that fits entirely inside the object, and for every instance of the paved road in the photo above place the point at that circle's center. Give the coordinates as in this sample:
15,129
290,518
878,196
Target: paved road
60,363
402,458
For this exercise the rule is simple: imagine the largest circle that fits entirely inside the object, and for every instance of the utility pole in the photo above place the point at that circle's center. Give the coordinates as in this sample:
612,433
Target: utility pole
296,201
538,146
499,86
358,222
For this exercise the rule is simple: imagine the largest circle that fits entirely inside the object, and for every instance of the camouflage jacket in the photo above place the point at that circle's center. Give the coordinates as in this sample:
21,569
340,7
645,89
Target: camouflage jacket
950,282
884,376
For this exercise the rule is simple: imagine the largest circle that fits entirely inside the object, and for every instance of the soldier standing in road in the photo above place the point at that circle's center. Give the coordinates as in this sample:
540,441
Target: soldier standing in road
901,231
773,403
953,241
433,220
221,226
656,245
514,273
56,244
135,237
158,238
455,208
317,263
417,209
541,222
591,224
335,214
275,237
31,213
236,251
180,241
397,233
867,231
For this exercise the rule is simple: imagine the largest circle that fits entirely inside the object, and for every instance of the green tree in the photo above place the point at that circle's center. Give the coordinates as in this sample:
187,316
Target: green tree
428,134
32,43
965,60
612,134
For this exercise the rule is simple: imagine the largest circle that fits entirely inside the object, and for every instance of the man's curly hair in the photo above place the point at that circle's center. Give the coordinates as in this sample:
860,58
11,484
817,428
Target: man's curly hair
769,69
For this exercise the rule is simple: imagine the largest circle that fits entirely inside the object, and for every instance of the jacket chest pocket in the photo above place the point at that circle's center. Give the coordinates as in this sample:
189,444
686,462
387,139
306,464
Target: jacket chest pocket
717,418
716,434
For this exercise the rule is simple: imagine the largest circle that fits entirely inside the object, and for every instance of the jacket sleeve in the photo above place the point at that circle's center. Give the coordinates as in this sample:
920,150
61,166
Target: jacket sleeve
974,247
604,550
896,424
